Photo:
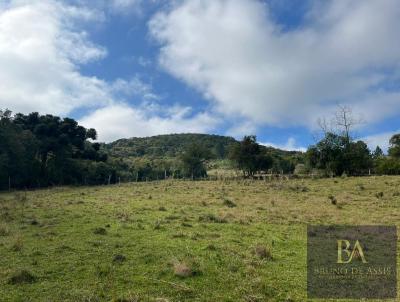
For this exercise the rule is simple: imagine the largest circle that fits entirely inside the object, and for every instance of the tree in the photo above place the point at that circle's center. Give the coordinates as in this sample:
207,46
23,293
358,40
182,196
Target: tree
219,150
394,149
59,140
345,122
342,123
193,160
378,153
249,156
388,166
336,155
39,150
336,152
357,158
18,165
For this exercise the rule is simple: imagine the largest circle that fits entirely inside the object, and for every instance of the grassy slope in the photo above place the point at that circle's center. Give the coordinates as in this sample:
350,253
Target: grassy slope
155,225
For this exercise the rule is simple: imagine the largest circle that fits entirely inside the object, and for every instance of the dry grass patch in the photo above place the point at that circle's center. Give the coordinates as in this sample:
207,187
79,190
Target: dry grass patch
182,270
17,245
4,230
263,252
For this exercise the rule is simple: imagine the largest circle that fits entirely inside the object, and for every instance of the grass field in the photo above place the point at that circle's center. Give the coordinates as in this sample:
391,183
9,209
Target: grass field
177,240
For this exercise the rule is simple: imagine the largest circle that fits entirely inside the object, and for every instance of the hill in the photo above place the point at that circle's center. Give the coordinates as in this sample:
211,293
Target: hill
172,145
169,145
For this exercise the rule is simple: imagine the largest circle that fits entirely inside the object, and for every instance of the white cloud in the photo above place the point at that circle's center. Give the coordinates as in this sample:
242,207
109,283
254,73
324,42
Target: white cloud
132,88
242,128
123,121
125,6
41,49
380,139
290,145
234,53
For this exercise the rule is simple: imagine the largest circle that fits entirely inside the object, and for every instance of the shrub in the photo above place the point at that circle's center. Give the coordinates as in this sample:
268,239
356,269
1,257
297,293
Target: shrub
388,166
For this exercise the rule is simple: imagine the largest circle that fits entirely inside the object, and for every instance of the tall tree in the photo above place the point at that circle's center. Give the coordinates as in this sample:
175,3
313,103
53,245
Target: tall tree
378,153
193,160
59,140
394,149
18,164
38,150
249,156
336,155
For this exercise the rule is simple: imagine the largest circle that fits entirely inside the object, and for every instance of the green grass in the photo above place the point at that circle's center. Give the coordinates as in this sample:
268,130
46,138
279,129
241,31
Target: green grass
176,240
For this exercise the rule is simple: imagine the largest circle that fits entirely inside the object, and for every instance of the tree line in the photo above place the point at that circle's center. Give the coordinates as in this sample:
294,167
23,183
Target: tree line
339,153
44,150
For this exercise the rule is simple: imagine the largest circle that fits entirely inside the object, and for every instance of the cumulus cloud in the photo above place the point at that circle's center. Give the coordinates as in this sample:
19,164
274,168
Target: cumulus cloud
40,52
122,121
290,145
43,44
245,64
380,139
242,128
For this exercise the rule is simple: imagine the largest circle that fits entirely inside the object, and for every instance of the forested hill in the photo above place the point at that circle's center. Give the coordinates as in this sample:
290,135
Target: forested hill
172,145
169,145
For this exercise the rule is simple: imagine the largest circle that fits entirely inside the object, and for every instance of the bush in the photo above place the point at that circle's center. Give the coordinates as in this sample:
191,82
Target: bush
388,166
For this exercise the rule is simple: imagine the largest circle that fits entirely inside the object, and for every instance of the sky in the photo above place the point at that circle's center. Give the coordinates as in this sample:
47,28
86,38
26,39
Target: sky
272,68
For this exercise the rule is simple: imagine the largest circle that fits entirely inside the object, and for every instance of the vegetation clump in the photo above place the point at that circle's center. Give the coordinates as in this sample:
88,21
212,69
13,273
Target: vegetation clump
332,199
212,218
119,258
21,277
186,268
100,231
182,270
229,203
299,188
4,230
18,245
262,252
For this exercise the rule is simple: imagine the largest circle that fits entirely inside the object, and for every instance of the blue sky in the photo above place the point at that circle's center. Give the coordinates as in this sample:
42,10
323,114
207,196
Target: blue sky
231,67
